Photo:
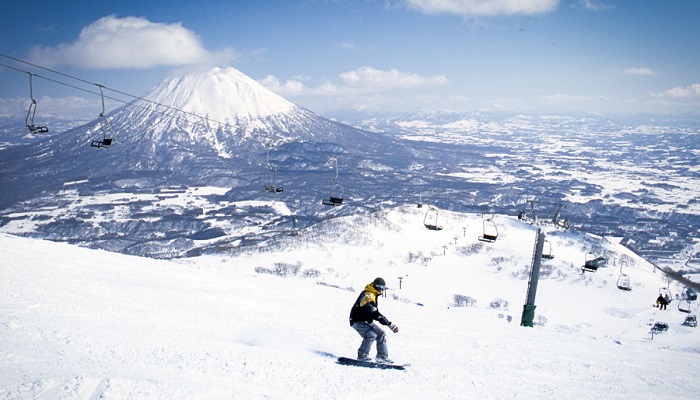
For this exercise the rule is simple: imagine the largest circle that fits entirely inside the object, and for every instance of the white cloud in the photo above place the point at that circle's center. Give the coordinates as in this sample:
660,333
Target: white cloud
363,80
289,87
130,42
363,88
483,7
329,88
367,77
569,98
639,71
689,91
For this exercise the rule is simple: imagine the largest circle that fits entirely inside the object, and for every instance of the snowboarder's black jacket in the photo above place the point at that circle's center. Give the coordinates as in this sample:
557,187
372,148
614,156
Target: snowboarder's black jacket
366,307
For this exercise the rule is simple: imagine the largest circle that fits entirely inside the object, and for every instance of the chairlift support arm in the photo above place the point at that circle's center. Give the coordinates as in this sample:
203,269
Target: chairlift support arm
102,96
31,89
335,161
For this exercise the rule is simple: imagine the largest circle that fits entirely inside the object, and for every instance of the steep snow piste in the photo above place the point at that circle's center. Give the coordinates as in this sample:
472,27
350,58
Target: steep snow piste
268,321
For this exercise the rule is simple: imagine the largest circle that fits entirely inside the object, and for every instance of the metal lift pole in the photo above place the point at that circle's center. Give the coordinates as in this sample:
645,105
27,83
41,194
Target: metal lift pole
529,308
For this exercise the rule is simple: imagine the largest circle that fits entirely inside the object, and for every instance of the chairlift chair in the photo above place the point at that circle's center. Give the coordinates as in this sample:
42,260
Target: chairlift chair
623,282
491,234
690,294
592,264
269,176
333,201
691,320
107,136
563,223
273,189
666,294
430,220
659,327
336,189
269,183
106,133
684,306
29,119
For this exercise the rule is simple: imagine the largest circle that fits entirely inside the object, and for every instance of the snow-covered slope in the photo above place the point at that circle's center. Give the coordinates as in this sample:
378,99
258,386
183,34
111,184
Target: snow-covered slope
208,128
265,323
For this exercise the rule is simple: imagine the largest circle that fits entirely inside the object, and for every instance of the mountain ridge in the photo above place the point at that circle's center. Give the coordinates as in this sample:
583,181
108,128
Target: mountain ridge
457,162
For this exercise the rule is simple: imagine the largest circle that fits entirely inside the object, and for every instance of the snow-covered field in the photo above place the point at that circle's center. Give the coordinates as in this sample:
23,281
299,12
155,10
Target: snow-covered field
88,324
636,160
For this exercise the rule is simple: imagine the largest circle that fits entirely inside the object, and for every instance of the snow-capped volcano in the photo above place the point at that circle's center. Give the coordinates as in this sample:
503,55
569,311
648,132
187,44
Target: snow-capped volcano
222,94
216,127
227,111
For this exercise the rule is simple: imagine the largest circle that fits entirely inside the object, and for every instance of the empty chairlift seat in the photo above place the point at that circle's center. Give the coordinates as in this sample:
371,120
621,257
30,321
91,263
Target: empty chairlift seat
623,282
595,263
659,327
333,201
31,112
336,189
107,137
691,321
105,142
430,220
490,231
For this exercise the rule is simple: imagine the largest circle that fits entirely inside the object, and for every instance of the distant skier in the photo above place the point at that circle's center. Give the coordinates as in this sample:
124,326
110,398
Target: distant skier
362,316
661,302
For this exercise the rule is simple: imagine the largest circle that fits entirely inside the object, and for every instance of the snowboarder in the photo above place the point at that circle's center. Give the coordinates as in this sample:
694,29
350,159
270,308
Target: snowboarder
661,302
362,316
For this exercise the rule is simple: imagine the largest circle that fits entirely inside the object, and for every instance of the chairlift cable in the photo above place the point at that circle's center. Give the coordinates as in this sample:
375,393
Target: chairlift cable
46,69
62,83
16,69
133,104
130,104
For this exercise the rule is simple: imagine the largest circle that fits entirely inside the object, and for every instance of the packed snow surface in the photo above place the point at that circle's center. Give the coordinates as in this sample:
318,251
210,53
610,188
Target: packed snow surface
268,322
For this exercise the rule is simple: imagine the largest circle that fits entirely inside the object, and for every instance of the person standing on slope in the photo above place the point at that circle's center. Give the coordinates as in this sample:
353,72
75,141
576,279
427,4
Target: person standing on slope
362,316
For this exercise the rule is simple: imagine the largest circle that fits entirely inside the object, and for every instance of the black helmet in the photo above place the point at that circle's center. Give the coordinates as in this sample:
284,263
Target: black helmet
379,284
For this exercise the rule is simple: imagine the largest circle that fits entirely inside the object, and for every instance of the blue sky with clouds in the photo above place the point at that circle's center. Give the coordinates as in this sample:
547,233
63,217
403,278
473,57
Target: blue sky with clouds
332,56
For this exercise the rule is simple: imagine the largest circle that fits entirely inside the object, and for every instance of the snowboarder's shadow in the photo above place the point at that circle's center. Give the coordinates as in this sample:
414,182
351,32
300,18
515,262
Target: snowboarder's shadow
325,354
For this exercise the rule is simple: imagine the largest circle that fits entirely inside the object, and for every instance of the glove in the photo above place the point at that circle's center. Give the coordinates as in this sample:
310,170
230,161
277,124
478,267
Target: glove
394,328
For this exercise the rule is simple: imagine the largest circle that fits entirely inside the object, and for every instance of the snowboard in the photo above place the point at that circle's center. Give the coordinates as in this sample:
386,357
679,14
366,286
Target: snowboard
369,364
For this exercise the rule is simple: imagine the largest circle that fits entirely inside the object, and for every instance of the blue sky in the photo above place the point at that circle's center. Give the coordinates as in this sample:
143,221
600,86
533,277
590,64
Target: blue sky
333,56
